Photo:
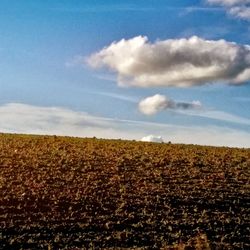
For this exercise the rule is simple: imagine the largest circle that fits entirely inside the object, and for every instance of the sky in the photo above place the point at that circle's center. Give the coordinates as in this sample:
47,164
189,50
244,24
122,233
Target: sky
170,69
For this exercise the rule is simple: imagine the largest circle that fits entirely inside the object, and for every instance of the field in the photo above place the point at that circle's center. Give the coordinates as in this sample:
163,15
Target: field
71,193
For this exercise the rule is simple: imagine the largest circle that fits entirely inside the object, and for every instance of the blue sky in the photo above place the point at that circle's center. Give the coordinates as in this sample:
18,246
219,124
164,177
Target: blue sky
45,48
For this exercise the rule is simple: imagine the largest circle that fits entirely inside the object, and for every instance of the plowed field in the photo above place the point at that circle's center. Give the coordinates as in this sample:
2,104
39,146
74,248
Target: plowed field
71,193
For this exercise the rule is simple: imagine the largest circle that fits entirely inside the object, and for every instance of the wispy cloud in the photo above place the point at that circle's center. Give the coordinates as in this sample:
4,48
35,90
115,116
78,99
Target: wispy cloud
217,115
117,96
106,8
191,9
120,8
75,61
23,118
106,77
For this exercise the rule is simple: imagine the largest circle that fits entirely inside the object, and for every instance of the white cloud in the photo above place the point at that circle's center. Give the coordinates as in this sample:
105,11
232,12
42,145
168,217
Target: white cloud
154,104
174,62
28,119
241,12
23,118
152,138
228,2
217,115
157,103
237,8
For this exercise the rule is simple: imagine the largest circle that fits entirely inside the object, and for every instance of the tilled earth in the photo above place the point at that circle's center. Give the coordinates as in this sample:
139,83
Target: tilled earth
71,193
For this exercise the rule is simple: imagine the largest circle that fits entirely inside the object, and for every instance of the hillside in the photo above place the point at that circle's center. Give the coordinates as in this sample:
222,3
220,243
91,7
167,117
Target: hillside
70,193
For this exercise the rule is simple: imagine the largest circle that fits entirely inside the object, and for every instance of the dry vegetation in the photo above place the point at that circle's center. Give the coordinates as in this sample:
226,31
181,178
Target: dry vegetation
69,193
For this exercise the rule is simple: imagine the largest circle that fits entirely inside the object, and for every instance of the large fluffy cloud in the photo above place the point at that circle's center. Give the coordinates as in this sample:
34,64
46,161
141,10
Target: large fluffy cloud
237,8
154,104
175,62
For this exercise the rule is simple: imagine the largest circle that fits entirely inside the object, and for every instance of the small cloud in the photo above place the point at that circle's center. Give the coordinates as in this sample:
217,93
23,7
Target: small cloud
237,8
157,103
242,12
228,2
154,104
196,104
152,138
